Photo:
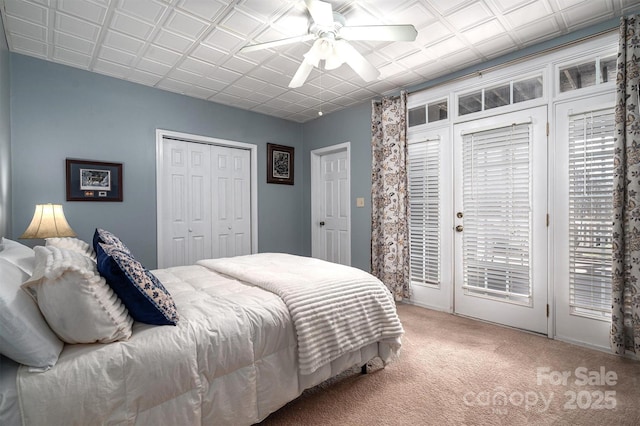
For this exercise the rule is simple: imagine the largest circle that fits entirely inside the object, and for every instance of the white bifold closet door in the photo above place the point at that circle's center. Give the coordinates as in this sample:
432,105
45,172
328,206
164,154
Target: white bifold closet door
205,203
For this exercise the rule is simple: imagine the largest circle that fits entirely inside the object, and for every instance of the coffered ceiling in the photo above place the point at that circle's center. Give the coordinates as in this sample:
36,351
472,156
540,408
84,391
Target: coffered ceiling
192,46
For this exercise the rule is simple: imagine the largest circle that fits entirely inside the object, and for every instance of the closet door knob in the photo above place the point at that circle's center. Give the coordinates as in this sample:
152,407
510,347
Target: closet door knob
459,228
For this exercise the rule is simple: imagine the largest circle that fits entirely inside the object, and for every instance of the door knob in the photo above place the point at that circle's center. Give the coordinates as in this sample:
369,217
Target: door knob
322,223
459,228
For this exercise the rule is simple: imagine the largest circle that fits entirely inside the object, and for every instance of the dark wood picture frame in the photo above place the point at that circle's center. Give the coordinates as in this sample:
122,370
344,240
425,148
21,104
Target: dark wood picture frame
89,180
280,160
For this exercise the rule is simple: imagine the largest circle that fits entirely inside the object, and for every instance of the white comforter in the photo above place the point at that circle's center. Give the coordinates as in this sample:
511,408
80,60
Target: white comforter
231,359
335,308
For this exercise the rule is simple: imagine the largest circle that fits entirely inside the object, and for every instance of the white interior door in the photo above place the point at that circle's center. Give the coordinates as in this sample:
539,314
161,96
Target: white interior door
331,213
582,194
231,222
187,213
501,215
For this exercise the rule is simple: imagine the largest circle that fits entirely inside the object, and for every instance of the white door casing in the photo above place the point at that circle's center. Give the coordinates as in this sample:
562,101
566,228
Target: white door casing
173,245
330,203
505,244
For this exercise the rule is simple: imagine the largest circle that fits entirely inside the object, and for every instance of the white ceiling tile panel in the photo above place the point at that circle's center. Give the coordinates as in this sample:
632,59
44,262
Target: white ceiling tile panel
111,69
76,44
446,47
29,46
497,46
241,23
26,28
27,11
118,56
78,27
528,13
195,66
71,58
147,10
185,76
123,42
433,33
507,5
391,69
200,92
530,32
153,67
143,77
468,57
83,9
213,84
576,17
271,76
224,40
250,83
208,54
225,75
207,10
132,26
239,65
173,85
415,60
292,97
415,14
265,9
225,98
188,26
272,90
290,25
238,92
172,41
395,50
484,31
162,55
358,14
445,6
564,4
469,16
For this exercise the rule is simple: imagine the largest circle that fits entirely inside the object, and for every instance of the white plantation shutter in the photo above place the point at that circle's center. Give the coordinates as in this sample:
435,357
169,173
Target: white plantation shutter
590,212
424,207
497,213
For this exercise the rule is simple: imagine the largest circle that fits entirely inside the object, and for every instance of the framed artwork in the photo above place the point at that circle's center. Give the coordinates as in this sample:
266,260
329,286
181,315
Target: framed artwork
93,180
280,164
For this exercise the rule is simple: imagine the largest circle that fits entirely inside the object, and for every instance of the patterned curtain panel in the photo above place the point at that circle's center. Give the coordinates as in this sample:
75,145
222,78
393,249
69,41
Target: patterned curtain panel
625,321
390,216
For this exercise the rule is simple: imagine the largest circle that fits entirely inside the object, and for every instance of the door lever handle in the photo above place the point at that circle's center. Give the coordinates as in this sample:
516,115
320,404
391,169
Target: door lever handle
322,223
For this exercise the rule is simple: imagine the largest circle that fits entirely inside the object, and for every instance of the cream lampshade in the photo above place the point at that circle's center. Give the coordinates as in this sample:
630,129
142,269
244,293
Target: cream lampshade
48,221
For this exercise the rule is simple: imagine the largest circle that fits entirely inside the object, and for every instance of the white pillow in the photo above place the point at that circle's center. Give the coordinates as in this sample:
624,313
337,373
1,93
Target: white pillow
76,301
73,244
25,336
18,255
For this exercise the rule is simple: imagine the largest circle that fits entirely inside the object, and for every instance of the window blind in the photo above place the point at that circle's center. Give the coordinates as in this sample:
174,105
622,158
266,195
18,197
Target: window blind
424,211
497,213
590,212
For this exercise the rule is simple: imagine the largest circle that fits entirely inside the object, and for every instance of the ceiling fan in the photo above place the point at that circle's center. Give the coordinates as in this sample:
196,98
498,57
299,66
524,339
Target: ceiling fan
332,36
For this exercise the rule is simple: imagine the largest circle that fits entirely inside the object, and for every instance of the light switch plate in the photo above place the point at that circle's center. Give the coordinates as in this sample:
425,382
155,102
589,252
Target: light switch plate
360,202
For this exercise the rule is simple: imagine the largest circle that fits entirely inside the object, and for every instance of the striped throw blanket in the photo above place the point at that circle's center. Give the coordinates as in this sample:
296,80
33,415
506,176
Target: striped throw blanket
335,308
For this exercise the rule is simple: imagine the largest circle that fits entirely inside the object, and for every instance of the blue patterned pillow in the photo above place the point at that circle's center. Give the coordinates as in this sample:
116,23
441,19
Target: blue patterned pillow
141,292
102,236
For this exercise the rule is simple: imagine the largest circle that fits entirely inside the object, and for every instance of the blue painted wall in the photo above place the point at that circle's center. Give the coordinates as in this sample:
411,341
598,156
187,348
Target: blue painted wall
5,138
60,112
350,125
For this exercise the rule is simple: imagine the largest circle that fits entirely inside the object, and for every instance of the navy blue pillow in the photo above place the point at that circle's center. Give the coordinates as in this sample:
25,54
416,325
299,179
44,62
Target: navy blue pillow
102,236
141,292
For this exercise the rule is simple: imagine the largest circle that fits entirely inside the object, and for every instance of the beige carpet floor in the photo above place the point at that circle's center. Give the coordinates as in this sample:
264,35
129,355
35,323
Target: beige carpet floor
457,371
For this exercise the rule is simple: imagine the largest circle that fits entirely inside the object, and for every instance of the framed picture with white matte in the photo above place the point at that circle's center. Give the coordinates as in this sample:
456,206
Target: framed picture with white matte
89,180
280,160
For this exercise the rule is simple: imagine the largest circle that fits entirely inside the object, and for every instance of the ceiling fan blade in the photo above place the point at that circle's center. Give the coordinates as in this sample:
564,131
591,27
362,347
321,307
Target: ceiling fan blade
276,43
356,61
321,12
301,75
379,32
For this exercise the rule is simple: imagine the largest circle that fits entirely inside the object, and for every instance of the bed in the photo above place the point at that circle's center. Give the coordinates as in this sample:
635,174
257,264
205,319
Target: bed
238,338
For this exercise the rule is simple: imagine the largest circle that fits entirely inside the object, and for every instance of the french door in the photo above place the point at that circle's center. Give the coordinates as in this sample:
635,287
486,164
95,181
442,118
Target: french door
500,223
